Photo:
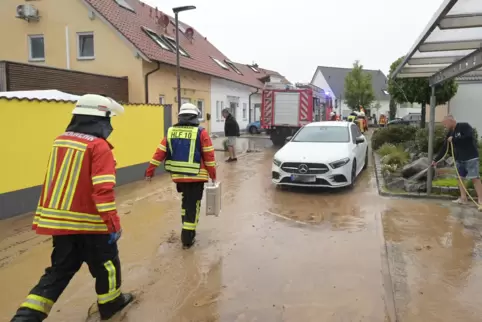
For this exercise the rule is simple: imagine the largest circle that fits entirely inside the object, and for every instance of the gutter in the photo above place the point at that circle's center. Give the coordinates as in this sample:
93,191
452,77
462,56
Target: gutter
146,82
249,103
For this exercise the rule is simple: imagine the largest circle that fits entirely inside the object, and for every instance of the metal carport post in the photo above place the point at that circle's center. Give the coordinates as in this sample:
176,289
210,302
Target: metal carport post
450,46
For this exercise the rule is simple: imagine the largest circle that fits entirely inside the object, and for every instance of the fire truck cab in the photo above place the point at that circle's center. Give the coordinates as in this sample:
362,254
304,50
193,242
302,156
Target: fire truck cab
286,108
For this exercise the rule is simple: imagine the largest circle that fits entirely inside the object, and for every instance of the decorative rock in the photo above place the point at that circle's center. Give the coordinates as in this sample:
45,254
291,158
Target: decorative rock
415,186
396,183
415,167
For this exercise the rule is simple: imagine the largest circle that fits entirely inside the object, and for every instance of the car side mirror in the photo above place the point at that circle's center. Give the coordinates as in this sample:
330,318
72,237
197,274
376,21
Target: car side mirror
359,140
288,138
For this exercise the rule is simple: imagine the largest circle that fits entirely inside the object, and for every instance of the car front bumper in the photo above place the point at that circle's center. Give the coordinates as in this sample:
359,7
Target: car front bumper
333,178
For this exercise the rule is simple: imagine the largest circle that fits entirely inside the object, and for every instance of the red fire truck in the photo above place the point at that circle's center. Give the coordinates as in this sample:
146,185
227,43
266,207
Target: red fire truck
285,109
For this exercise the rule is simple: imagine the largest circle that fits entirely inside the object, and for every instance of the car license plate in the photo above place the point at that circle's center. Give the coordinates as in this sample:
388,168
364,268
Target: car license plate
303,178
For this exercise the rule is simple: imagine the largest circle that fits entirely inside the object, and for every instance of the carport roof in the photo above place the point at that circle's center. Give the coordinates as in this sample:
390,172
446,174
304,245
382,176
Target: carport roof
450,45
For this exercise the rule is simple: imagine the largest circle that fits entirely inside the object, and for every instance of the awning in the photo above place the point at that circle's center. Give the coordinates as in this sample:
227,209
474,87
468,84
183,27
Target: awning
450,45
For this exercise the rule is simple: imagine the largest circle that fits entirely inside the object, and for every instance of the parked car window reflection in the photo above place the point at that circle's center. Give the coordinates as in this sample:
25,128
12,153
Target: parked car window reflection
322,134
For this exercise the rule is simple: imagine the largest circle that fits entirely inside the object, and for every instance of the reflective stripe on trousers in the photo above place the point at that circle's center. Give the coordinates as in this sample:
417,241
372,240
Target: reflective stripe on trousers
38,303
113,292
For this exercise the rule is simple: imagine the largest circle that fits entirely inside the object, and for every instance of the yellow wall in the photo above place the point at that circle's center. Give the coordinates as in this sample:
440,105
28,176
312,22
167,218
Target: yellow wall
112,55
28,129
195,86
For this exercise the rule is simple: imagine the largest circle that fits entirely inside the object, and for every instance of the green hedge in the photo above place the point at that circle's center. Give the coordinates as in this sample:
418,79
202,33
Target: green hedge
408,136
394,134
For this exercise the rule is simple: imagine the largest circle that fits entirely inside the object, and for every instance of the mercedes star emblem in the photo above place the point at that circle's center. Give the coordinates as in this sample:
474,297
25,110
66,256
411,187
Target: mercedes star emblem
303,168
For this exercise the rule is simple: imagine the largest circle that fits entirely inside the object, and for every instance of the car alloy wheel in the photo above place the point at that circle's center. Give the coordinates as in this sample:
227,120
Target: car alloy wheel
253,130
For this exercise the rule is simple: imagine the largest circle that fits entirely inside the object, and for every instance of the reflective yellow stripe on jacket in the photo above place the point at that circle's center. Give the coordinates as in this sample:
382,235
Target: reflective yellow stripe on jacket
63,219
190,166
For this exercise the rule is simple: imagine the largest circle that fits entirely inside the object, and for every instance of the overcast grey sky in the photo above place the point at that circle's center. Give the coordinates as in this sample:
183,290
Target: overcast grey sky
293,37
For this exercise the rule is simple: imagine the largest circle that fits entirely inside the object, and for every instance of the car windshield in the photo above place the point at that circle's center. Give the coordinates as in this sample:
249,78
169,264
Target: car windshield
323,134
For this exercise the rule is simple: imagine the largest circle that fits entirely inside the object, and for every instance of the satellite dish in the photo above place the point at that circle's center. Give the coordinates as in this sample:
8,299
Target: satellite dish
163,20
189,33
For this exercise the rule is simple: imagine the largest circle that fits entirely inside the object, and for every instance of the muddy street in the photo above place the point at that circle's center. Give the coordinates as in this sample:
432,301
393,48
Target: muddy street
273,255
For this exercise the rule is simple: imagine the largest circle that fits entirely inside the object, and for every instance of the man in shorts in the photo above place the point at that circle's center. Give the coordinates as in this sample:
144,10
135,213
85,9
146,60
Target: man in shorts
466,155
231,132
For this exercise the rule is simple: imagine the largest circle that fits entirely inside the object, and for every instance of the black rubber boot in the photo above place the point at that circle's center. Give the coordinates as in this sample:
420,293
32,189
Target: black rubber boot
108,310
188,238
28,315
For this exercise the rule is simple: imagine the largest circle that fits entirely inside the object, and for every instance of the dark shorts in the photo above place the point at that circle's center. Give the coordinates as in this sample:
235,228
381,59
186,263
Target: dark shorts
468,169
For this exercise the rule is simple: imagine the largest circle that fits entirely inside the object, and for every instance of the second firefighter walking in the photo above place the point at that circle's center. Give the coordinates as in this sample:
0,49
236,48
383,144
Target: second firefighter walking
188,153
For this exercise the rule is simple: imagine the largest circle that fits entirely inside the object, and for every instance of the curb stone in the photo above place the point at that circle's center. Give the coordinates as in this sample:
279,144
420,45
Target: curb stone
382,191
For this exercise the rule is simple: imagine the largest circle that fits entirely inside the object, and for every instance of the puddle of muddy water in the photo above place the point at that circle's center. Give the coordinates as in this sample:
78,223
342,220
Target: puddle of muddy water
436,273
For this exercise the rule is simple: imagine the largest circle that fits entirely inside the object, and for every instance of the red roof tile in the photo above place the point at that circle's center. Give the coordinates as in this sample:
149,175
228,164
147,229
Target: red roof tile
200,49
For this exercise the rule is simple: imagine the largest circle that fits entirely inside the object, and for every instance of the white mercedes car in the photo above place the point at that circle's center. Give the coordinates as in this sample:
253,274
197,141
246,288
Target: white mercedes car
321,154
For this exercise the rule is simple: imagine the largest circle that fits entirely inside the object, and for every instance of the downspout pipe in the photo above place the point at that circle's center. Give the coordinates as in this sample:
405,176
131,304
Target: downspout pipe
146,82
249,102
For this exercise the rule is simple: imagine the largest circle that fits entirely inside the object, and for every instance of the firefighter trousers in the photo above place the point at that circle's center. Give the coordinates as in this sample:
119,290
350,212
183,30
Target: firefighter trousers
192,194
69,253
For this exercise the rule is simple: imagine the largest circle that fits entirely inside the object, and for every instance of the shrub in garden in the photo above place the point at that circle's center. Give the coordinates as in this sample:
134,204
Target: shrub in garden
421,139
394,134
386,149
395,155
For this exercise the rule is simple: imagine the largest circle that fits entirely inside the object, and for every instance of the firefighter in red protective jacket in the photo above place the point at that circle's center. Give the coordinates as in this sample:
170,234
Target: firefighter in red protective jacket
189,157
77,207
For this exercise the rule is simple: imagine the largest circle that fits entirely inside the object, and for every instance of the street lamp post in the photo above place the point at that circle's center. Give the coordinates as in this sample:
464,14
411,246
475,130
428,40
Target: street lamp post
178,64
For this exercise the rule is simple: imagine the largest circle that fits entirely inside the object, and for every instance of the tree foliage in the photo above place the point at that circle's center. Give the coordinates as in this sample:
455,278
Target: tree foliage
417,90
358,88
392,112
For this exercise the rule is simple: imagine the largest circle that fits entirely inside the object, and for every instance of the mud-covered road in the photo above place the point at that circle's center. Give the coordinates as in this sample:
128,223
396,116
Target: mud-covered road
273,255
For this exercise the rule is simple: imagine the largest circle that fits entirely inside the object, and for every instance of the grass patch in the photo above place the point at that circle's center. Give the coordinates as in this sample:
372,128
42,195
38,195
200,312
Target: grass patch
447,182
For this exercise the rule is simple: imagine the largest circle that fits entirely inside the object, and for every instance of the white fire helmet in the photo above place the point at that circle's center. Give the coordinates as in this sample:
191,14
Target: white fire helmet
97,105
362,114
189,108
332,114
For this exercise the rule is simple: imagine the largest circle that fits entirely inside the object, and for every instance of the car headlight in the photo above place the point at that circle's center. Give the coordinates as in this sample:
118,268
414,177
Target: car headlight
276,162
339,163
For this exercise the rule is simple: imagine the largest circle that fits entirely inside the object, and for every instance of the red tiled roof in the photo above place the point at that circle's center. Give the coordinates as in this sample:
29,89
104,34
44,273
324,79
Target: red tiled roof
200,49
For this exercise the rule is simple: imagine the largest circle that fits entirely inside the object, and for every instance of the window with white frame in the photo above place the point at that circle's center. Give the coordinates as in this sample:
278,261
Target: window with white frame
200,106
173,44
162,99
220,63
254,68
231,64
36,48
185,100
245,111
85,45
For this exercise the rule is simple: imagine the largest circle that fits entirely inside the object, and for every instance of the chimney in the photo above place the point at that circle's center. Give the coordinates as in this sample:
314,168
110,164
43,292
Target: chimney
157,12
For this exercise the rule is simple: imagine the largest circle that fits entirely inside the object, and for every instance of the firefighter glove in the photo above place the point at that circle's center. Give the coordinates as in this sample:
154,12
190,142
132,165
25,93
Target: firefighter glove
114,237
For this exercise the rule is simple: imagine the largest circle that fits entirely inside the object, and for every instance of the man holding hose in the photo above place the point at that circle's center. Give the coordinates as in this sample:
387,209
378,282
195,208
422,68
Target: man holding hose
466,155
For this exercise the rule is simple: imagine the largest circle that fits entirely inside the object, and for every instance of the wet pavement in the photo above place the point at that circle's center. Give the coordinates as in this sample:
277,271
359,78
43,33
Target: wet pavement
273,255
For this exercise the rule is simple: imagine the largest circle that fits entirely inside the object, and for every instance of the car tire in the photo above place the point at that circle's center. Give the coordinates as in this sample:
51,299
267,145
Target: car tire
366,160
253,130
353,174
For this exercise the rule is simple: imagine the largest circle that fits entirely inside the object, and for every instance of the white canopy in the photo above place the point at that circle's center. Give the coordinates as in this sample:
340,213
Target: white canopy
41,95
450,45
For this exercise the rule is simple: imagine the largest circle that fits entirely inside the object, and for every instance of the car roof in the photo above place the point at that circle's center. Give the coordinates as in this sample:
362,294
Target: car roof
330,123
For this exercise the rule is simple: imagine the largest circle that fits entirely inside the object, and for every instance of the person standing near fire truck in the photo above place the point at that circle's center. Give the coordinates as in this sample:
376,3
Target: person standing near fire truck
189,156
77,207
